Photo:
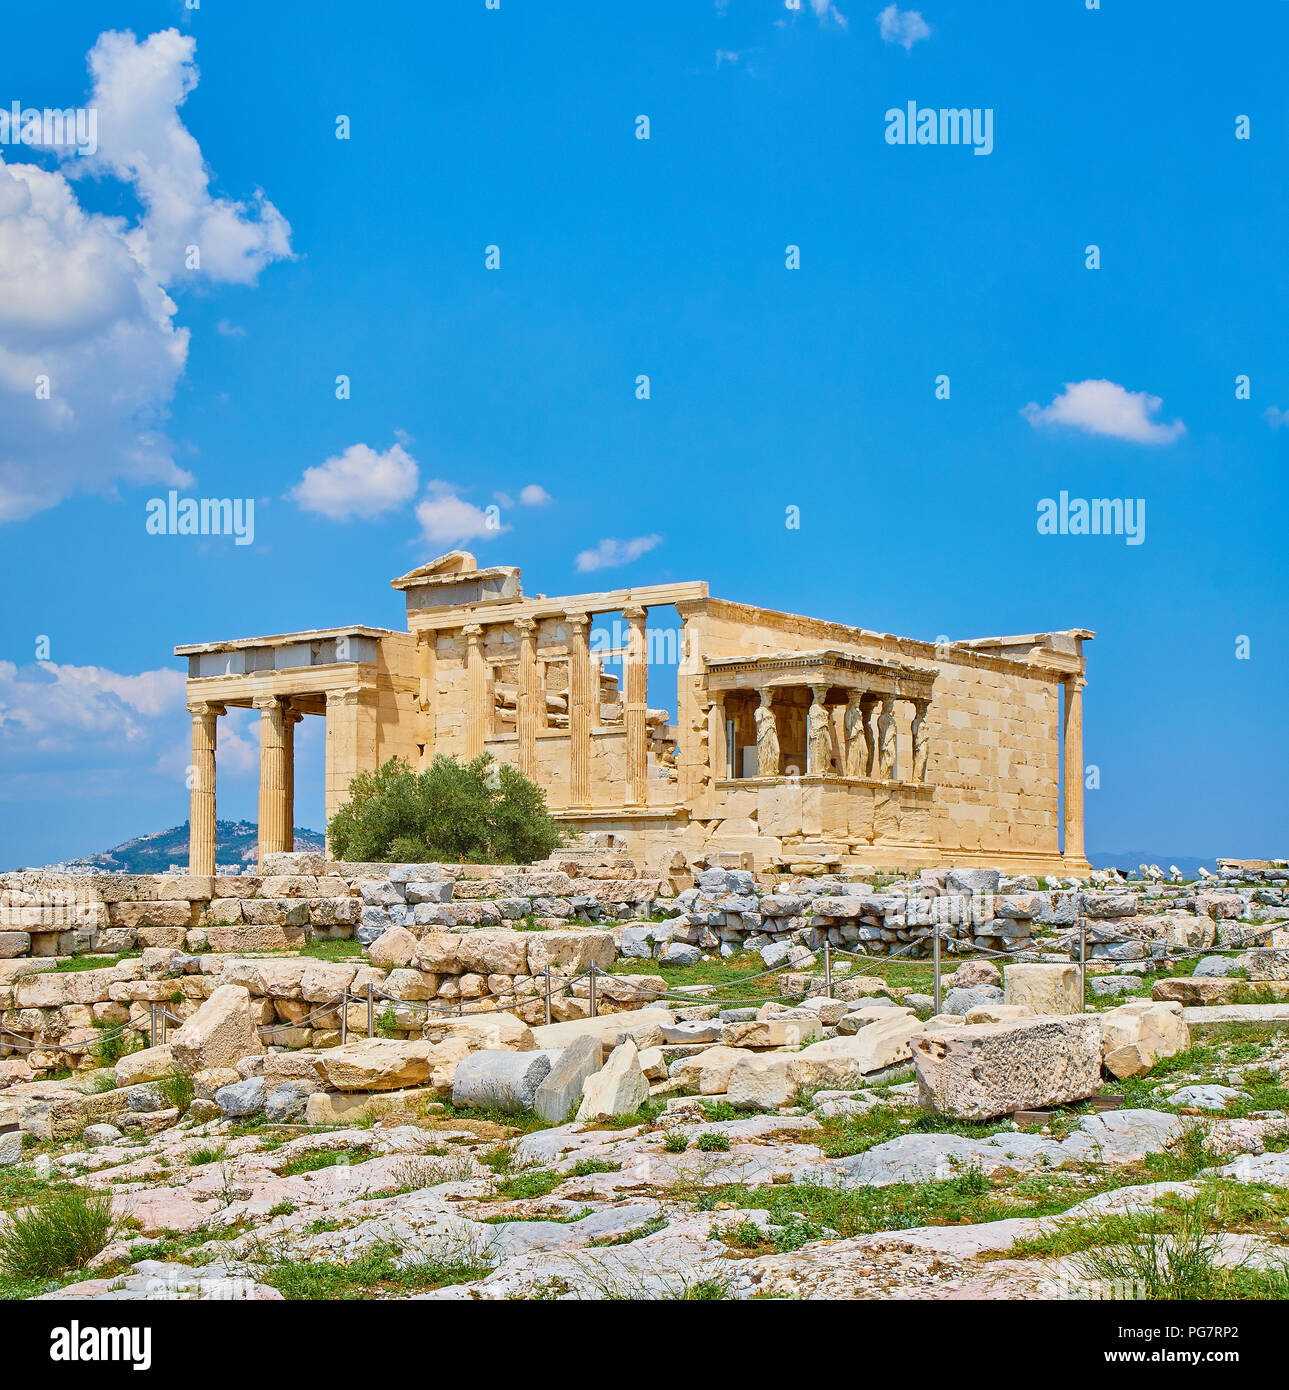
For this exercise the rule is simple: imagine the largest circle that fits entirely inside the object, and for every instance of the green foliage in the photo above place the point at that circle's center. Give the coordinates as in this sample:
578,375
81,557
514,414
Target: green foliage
62,1232
177,1090
377,1269
713,1141
479,812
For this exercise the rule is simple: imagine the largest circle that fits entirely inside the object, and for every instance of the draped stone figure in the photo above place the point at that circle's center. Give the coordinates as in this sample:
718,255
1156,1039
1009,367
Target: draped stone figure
856,744
886,740
819,733
919,732
870,741
767,738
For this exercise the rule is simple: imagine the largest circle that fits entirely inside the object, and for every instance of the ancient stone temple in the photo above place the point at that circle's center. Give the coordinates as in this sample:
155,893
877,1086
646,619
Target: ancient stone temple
794,739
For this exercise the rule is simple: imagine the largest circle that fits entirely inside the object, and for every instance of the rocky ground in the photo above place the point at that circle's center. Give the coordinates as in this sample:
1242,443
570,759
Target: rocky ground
863,1193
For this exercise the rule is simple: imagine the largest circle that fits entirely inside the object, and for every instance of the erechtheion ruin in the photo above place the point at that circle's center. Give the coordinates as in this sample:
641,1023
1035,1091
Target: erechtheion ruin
795,739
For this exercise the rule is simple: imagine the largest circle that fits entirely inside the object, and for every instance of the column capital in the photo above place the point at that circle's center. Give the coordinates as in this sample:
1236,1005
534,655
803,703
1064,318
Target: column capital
526,625
1074,682
634,613
201,709
267,703
473,633
576,619
345,695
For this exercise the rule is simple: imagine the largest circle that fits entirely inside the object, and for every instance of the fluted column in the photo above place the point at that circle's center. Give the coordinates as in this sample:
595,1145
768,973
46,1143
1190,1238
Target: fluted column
273,836
201,812
636,682
579,710
526,711
1072,748
290,718
476,691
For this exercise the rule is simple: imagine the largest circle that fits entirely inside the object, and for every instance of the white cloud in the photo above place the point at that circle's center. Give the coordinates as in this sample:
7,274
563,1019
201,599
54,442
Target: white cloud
358,483
138,89
1103,407
47,708
611,553
534,495
229,330
826,11
1275,417
83,296
905,27
446,518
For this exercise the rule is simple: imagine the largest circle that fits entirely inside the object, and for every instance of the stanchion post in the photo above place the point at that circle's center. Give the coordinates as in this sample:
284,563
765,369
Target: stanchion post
1083,963
152,1025
592,989
827,968
935,958
371,1010
344,1016
548,995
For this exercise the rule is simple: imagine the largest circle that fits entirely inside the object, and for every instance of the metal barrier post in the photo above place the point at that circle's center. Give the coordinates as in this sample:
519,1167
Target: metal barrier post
344,1016
827,968
548,994
371,1010
592,989
935,957
1083,963
152,1025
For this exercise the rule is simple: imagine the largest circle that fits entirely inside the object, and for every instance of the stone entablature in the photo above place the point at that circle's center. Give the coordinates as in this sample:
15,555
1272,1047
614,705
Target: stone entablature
792,738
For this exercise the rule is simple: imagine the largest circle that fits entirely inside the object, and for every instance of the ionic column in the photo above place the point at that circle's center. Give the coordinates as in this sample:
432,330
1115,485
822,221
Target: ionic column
476,691
273,776
717,751
1072,750
201,811
886,739
636,681
579,709
526,711
291,717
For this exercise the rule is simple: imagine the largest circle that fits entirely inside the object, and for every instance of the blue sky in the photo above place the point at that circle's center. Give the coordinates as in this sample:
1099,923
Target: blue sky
770,387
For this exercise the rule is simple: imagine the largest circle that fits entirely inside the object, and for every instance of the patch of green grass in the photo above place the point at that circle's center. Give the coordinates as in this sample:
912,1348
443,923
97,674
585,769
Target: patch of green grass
844,1135
713,1141
532,1182
646,1115
524,1122
647,1228
584,1167
73,964
344,950
315,1159
729,977
675,1142
61,1233
376,1271
208,1153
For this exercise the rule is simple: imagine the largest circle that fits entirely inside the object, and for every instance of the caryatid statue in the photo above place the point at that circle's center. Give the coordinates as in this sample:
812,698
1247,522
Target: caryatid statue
767,738
886,739
819,732
918,729
856,743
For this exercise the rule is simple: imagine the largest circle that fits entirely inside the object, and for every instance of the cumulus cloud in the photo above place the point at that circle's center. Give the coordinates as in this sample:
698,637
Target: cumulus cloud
90,354
534,495
46,708
611,553
905,27
360,483
1105,408
1275,417
446,518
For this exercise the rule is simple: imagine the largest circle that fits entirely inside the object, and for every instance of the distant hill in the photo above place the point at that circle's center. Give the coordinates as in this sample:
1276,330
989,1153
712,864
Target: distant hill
1129,859
235,843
